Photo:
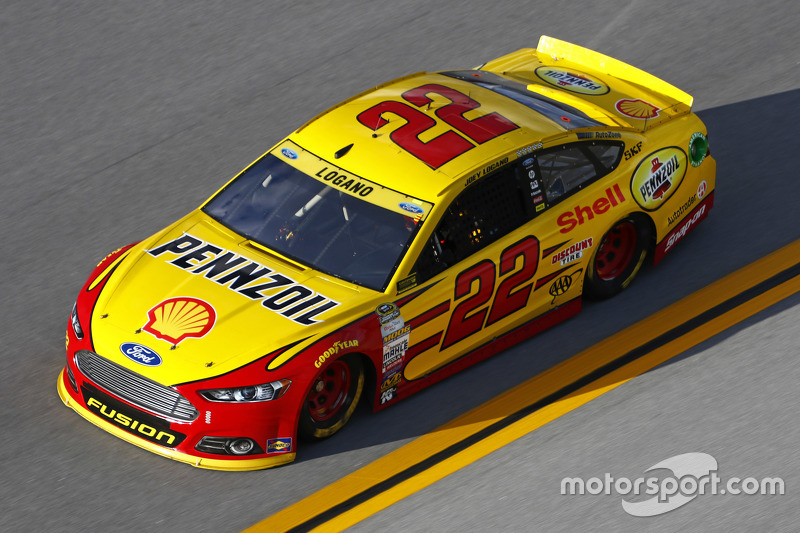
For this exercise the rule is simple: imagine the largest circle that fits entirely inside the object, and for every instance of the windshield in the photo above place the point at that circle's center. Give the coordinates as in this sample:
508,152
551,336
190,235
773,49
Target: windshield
322,223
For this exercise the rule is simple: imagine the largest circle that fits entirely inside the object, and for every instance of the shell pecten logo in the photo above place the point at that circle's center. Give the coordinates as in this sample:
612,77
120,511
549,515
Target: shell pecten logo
176,319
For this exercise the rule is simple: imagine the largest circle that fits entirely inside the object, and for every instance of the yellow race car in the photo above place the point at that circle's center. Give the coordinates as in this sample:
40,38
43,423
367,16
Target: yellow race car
393,240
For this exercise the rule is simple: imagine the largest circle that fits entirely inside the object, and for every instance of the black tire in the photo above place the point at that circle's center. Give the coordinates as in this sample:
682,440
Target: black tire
618,258
332,398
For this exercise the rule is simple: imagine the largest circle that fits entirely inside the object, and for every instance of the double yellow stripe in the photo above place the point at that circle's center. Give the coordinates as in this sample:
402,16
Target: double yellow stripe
539,388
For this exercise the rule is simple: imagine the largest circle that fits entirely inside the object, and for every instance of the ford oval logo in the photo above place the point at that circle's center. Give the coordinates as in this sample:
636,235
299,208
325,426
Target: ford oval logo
411,208
288,152
141,354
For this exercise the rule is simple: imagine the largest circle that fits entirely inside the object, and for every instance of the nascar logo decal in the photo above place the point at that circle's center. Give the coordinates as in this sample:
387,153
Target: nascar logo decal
176,319
140,354
658,176
576,82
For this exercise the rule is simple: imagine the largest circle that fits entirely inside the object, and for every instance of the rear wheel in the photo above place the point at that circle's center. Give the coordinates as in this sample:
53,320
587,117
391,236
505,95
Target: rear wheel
333,398
618,258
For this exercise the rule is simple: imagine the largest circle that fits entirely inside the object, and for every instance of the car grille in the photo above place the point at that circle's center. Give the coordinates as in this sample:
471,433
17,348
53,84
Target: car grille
136,389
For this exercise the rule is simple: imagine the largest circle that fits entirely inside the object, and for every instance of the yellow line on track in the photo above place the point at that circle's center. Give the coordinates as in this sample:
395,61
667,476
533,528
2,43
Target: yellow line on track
539,387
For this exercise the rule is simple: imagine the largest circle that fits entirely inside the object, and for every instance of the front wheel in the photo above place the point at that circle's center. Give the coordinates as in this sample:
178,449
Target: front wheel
618,258
333,398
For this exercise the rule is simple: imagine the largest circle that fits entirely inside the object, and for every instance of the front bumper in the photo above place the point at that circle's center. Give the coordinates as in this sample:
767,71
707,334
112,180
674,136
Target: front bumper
198,461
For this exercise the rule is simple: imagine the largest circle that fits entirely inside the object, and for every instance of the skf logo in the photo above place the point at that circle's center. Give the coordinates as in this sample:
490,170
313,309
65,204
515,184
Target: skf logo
176,319
580,214
658,176
279,445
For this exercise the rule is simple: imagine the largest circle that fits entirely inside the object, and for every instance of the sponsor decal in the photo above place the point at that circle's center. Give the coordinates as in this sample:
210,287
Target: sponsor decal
689,222
581,214
698,148
140,354
572,80
283,445
388,395
147,427
562,284
176,319
289,153
407,283
701,189
391,382
658,176
389,317
681,210
528,162
540,207
632,150
680,233
572,253
411,208
278,293
395,346
354,185
599,135
333,350
637,108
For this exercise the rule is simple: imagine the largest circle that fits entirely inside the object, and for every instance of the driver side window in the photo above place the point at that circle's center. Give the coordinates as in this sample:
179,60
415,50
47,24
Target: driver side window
482,214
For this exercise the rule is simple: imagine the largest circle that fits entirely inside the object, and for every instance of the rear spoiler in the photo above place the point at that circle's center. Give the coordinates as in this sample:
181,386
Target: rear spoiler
631,82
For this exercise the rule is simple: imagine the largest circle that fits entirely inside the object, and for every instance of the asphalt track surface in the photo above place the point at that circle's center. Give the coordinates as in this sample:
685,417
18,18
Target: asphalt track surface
118,118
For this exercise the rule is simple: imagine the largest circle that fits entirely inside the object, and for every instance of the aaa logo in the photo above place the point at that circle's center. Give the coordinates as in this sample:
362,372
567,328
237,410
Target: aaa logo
176,319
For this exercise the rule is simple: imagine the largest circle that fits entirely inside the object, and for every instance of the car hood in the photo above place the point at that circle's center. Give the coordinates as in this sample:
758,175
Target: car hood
202,322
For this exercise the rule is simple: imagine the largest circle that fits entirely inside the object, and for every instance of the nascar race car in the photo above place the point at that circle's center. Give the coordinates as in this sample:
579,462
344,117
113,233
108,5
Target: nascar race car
391,241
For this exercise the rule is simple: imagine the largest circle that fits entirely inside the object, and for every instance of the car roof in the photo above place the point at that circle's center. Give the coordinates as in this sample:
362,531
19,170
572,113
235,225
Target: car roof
372,154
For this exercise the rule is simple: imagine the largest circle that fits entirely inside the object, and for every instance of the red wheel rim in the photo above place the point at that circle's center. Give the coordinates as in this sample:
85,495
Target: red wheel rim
616,251
329,391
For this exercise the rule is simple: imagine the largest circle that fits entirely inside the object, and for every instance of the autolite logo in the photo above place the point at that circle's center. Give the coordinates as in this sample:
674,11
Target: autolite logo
580,214
658,176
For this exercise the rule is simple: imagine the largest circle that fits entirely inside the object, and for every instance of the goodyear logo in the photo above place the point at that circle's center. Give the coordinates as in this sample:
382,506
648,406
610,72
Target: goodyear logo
334,349
279,445
658,176
572,80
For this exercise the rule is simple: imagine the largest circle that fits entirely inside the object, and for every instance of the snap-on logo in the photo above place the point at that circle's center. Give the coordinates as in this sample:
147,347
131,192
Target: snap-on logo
141,354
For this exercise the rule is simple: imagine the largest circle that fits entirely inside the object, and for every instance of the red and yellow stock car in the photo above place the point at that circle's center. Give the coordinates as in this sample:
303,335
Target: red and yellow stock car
400,236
